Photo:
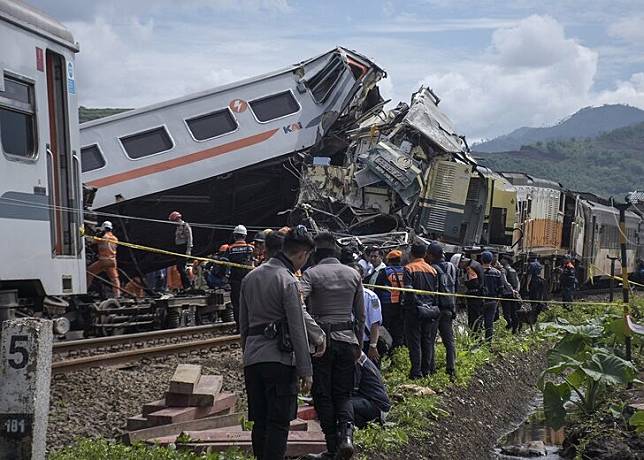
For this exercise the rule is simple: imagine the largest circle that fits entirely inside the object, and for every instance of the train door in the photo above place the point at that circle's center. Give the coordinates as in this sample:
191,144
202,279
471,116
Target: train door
62,164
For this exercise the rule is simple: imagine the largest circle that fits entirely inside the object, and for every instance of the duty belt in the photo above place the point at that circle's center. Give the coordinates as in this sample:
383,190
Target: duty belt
258,330
337,327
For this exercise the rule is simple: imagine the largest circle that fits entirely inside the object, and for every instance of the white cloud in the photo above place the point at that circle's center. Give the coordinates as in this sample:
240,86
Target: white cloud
532,74
630,29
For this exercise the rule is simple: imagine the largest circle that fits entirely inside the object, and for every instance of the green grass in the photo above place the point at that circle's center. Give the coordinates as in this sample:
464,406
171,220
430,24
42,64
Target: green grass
411,416
102,449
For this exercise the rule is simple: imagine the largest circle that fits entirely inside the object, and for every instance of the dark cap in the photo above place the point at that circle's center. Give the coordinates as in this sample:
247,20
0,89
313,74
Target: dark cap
436,250
486,257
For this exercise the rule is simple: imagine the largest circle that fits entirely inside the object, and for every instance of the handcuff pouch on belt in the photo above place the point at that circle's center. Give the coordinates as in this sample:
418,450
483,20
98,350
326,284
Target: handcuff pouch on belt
279,330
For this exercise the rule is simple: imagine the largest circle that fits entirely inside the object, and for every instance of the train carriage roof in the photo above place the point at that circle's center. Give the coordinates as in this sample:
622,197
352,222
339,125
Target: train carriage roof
519,178
32,19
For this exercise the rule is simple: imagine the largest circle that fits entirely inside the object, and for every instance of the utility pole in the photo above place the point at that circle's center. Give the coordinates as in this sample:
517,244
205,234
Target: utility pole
612,276
631,199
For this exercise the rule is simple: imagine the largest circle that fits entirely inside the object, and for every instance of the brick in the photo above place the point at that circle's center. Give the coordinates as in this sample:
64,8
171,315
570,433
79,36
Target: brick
138,422
153,406
299,425
294,449
204,393
185,378
224,404
219,436
306,413
214,422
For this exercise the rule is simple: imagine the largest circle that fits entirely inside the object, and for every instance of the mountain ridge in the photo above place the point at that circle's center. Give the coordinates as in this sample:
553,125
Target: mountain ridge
586,122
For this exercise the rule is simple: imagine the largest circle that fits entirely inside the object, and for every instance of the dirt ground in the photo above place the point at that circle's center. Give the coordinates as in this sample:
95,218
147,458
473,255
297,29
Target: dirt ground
495,401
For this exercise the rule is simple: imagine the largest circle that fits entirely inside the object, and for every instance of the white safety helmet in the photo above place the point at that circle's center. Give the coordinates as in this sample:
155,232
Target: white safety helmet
240,230
107,225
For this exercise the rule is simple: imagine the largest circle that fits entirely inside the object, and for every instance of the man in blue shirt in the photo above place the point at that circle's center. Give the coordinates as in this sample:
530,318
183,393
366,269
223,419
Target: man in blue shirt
369,398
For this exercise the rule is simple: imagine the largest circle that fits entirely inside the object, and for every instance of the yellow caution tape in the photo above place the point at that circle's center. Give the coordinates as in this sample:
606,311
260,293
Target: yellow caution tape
470,296
616,277
170,253
375,286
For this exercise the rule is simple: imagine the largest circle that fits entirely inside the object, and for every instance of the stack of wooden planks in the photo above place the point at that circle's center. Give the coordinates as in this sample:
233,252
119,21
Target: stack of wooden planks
196,415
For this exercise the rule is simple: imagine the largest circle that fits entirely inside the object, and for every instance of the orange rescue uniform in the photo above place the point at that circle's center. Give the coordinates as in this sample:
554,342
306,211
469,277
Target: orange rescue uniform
106,262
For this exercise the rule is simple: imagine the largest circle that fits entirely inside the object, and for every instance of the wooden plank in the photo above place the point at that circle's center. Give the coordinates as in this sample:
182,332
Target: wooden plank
299,425
224,403
217,436
154,406
204,393
174,428
293,449
138,422
185,378
306,413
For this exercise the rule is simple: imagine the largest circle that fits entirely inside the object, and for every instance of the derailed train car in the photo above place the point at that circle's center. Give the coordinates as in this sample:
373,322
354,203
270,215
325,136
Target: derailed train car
222,155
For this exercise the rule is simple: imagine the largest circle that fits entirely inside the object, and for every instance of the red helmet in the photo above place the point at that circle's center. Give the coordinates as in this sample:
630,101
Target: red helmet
174,216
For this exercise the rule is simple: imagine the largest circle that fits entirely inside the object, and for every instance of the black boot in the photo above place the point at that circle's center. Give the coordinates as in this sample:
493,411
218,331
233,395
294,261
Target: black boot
345,442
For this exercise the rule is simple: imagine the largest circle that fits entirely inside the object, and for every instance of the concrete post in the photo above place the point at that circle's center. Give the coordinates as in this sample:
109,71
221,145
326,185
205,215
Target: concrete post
25,371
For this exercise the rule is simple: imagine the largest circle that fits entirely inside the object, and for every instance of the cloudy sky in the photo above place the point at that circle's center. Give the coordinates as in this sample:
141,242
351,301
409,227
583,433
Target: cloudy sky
497,65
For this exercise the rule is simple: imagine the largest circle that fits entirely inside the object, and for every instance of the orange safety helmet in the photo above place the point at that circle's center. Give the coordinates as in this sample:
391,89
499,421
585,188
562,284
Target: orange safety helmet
223,248
174,216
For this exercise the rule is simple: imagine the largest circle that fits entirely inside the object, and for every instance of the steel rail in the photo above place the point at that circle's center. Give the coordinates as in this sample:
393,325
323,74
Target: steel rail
123,357
125,339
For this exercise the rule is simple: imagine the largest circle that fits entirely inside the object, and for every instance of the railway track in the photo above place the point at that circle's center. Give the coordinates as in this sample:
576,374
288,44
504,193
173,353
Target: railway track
142,345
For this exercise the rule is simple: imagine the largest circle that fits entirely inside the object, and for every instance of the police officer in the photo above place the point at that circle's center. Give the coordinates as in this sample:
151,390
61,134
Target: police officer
270,304
511,293
447,272
567,280
474,288
239,252
493,288
422,276
333,293
369,399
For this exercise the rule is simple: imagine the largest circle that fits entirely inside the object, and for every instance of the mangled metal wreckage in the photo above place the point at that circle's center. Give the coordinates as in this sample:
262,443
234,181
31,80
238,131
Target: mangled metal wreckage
312,138
403,169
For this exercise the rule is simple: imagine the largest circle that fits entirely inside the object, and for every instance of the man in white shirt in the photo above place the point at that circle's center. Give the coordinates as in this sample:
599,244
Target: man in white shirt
376,259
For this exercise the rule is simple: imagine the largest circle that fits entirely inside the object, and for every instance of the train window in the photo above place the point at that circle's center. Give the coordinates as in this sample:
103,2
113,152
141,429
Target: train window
147,143
323,82
17,119
211,125
91,158
275,106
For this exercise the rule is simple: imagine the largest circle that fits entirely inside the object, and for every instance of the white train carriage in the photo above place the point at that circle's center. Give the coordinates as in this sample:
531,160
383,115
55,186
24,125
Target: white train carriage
196,137
40,198
602,238
222,156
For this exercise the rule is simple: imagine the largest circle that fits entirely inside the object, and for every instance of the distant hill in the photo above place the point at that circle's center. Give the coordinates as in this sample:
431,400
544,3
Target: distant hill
609,164
587,122
87,114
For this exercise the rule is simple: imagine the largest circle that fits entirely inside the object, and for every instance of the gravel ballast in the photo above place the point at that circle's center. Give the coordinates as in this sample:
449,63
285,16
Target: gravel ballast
97,402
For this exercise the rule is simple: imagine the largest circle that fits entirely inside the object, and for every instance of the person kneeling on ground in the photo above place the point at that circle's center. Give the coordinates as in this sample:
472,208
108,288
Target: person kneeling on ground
369,398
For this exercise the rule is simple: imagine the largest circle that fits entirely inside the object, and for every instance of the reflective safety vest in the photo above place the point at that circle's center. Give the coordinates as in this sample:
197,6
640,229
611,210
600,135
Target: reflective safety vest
107,249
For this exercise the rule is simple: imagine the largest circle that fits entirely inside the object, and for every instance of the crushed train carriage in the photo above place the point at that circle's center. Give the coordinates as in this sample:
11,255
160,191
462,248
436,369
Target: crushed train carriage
312,138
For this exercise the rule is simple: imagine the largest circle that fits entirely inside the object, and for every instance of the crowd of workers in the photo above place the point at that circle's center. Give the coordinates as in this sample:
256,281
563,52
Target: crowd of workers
313,315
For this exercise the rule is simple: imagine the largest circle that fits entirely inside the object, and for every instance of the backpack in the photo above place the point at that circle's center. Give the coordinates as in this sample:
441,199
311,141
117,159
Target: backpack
445,302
